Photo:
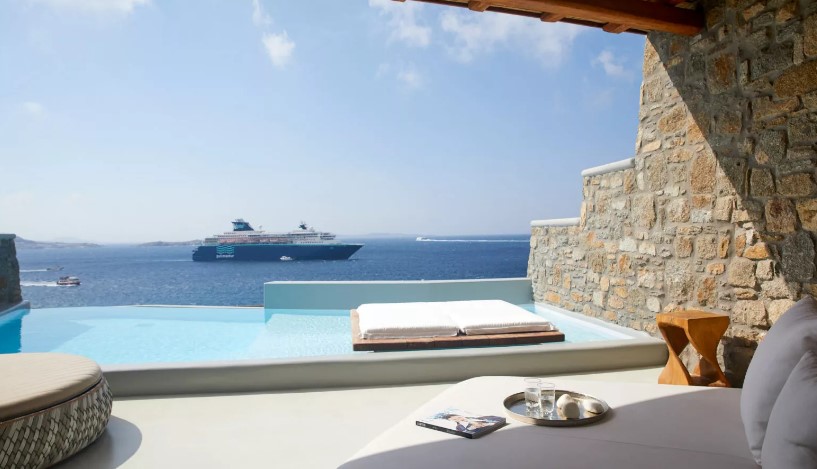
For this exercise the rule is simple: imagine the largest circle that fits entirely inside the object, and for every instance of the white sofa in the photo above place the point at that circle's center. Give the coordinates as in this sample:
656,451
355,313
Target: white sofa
650,426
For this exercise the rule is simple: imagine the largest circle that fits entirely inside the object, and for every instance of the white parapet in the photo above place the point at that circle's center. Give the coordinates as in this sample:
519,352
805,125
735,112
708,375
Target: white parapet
556,222
609,167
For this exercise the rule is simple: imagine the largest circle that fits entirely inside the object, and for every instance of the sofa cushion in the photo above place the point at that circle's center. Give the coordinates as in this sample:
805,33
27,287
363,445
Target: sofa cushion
776,356
35,381
790,437
650,425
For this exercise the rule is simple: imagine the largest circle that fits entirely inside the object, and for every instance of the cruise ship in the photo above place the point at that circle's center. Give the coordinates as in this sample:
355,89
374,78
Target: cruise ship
246,244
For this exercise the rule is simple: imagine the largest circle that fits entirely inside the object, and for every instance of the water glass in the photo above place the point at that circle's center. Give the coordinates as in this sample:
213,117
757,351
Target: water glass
533,399
547,391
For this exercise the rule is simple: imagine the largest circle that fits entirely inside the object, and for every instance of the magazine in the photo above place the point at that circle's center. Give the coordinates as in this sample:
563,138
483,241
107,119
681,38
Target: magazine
459,422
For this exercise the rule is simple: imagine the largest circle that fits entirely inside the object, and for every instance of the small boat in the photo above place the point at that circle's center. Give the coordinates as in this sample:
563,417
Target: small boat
286,258
55,268
68,281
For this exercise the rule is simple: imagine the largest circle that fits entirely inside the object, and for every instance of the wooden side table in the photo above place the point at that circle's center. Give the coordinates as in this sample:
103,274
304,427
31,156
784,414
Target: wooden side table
703,331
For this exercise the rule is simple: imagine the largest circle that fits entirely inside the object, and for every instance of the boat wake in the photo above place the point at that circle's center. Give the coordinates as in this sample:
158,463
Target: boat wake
430,240
33,270
38,284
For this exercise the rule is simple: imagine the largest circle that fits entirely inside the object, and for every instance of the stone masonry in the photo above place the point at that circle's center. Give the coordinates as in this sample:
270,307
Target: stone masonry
719,212
9,272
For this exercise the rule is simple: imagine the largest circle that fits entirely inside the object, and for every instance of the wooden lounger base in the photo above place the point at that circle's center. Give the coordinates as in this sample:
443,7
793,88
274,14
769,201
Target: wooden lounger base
422,343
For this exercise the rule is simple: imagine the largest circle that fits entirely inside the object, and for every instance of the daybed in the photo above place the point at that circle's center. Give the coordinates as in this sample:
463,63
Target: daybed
448,324
51,406
772,420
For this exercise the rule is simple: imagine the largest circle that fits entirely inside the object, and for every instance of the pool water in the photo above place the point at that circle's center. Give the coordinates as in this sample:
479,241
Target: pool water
154,334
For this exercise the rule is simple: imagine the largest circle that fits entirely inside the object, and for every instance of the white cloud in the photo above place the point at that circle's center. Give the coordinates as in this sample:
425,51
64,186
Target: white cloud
473,35
410,77
279,48
612,66
94,6
406,75
403,21
259,16
33,108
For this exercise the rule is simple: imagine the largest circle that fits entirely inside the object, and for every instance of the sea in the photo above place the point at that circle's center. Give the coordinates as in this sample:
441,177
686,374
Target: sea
118,275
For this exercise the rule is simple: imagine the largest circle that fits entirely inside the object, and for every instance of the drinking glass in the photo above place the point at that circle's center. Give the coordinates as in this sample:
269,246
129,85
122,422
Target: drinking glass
533,399
547,391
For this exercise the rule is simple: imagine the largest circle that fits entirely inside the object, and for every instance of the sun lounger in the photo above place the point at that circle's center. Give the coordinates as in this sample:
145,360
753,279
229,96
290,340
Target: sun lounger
390,326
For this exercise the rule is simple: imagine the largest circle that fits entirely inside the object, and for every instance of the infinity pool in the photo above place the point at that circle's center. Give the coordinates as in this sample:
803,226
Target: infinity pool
153,334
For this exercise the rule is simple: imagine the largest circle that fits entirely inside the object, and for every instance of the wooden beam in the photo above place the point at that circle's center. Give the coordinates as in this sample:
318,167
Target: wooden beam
636,14
550,18
615,28
477,5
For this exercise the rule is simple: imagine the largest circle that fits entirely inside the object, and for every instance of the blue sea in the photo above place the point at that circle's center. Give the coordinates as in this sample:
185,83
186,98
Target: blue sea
130,275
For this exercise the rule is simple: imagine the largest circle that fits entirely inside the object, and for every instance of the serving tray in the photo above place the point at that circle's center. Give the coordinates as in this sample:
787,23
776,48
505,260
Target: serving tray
515,407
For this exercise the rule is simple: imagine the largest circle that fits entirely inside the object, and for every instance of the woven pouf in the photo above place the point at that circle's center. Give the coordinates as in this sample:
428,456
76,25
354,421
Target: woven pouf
51,406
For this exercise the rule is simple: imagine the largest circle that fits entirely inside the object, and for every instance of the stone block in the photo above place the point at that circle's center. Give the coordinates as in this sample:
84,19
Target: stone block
807,210
797,80
779,56
628,245
683,246
723,208
655,168
702,174
705,292
780,216
798,257
810,36
802,130
654,304
765,270
796,185
771,147
758,251
553,298
764,108
706,247
761,182
776,288
721,72
742,273
673,121
776,309
679,280
715,268
749,312
723,247
678,210
615,302
745,294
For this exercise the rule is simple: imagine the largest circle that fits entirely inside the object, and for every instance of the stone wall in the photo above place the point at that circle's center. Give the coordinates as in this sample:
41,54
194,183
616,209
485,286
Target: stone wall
719,212
9,272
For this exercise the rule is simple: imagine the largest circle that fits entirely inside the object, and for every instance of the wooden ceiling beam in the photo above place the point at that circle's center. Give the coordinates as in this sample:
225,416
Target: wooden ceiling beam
615,28
638,15
477,5
550,18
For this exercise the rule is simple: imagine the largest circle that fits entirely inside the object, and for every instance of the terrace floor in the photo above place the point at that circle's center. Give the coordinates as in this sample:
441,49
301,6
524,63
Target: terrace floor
311,428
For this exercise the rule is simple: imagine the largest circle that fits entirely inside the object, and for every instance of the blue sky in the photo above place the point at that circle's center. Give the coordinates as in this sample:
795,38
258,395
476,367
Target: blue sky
139,120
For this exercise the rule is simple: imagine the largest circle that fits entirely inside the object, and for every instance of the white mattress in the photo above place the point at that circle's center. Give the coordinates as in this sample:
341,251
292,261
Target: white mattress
404,320
651,426
494,317
446,319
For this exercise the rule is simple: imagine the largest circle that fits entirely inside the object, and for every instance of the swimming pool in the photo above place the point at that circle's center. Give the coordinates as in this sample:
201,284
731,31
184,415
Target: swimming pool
158,334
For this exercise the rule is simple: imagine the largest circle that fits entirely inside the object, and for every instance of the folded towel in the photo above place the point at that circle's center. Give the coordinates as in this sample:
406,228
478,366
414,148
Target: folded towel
404,320
494,317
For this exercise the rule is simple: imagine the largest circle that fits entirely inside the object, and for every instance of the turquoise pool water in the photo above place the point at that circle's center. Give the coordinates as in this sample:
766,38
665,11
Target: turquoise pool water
151,334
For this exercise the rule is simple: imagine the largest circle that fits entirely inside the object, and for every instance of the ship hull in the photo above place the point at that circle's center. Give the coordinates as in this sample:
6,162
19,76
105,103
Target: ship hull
274,252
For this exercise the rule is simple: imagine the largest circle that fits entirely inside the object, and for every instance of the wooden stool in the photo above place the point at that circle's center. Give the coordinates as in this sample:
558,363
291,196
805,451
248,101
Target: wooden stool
703,331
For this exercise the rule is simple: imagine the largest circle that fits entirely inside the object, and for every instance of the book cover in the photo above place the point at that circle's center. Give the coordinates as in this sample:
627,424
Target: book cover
462,423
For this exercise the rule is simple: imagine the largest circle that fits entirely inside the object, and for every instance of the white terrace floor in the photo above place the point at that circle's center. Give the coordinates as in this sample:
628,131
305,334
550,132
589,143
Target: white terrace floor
303,429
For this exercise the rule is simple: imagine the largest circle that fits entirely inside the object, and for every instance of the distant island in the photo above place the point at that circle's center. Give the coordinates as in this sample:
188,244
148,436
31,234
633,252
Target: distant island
22,243
194,242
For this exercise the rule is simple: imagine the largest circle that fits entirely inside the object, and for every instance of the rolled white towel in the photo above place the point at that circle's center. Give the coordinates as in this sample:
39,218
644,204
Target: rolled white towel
568,406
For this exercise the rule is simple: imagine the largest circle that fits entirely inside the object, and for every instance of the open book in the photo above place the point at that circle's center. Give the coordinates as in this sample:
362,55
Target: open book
459,422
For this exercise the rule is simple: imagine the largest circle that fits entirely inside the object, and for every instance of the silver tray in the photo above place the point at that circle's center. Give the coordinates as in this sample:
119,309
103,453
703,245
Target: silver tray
515,406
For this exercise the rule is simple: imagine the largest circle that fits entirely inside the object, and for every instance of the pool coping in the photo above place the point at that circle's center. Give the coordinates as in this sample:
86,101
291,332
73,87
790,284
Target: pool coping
638,350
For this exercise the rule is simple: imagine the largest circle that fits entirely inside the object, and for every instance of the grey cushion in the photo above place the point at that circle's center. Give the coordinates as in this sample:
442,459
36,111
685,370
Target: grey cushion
791,437
776,356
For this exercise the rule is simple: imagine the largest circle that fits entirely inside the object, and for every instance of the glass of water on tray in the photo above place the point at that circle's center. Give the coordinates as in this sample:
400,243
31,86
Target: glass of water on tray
533,397
547,391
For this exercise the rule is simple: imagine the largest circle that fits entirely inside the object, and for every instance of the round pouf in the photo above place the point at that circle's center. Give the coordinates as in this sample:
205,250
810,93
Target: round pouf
51,406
